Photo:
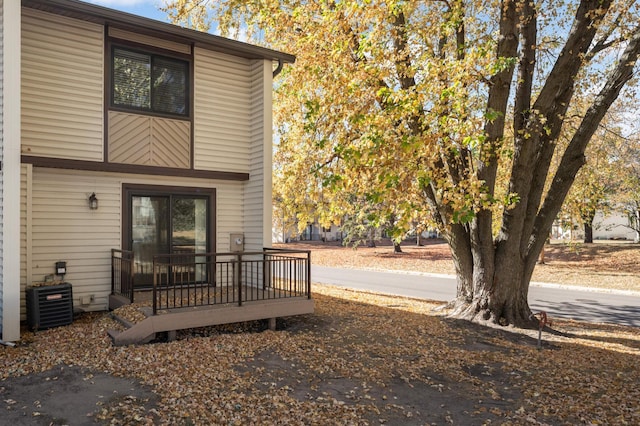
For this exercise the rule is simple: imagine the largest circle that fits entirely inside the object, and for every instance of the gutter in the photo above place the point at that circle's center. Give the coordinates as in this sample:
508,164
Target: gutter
278,69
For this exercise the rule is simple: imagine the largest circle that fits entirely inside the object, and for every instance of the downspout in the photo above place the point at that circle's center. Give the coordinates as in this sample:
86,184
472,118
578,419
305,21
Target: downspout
278,69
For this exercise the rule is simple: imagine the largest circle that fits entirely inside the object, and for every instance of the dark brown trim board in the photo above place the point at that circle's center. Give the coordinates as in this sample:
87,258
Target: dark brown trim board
95,166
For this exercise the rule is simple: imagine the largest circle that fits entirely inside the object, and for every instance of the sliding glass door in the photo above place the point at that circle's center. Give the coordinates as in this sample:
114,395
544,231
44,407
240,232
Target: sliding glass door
167,223
149,234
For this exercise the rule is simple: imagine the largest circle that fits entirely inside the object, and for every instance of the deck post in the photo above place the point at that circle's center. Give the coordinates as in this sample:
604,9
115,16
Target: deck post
154,292
272,324
308,274
113,272
129,274
239,280
265,269
212,269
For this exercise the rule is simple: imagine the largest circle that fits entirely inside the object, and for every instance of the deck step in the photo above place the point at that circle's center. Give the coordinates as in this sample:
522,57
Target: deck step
123,321
113,333
134,333
122,338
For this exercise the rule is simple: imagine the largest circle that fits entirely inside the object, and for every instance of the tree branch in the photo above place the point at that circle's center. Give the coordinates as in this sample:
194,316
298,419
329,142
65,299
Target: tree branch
573,157
534,149
498,96
526,67
602,42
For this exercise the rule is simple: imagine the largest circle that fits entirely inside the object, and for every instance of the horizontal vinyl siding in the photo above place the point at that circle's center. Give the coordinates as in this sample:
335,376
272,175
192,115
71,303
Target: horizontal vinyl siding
221,104
64,228
150,41
230,214
62,87
254,209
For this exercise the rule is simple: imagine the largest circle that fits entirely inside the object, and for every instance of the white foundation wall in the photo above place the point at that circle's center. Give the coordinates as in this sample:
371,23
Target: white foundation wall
10,171
61,227
1,157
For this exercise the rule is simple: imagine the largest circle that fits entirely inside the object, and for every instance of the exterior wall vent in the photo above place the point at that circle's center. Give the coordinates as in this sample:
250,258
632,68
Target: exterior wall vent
49,306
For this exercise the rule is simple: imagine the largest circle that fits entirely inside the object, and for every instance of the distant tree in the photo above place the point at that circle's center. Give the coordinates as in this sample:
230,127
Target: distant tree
595,183
420,98
365,224
285,221
627,198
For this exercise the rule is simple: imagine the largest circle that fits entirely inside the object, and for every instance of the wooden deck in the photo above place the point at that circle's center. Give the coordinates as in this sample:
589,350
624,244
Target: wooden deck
210,289
175,319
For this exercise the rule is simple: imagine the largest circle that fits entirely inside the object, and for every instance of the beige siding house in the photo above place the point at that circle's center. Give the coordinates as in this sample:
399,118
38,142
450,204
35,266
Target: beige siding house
166,129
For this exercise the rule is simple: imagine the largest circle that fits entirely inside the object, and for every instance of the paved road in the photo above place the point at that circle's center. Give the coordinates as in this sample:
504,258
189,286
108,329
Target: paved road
559,302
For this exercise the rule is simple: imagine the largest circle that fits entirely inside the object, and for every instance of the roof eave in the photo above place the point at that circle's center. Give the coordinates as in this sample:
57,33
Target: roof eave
105,16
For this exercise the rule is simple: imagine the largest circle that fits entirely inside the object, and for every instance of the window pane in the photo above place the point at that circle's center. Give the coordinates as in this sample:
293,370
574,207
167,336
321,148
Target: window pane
131,79
149,234
189,232
189,225
169,86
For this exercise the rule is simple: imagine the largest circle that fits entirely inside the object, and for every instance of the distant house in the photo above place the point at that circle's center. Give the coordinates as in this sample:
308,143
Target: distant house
612,226
121,132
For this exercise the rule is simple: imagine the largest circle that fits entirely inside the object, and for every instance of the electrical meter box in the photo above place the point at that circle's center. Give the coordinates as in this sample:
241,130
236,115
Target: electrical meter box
236,242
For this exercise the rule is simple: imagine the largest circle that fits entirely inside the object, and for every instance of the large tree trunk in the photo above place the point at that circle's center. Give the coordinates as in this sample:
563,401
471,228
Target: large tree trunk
494,275
492,289
502,300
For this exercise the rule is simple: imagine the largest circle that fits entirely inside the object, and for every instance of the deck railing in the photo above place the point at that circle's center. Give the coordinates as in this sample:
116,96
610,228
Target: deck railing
122,273
190,280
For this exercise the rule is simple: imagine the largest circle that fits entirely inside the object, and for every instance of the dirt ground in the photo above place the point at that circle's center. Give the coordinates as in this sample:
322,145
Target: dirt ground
67,395
360,359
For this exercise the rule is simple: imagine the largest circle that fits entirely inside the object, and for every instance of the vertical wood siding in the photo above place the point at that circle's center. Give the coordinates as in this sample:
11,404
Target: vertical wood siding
146,140
62,87
221,119
64,228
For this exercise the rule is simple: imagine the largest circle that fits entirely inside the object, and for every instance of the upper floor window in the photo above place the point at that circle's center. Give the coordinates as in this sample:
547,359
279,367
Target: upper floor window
149,82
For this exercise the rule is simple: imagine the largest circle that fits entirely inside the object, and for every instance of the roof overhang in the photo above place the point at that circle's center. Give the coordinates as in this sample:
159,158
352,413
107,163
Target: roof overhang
139,24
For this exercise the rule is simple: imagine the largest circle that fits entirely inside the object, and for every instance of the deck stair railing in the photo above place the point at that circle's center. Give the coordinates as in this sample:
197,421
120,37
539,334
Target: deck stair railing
202,279
122,273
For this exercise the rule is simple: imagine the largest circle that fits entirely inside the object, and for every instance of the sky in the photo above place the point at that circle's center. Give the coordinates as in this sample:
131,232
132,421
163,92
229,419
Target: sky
147,8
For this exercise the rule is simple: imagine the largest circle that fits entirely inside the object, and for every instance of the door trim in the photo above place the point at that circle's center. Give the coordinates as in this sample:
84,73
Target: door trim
129,190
